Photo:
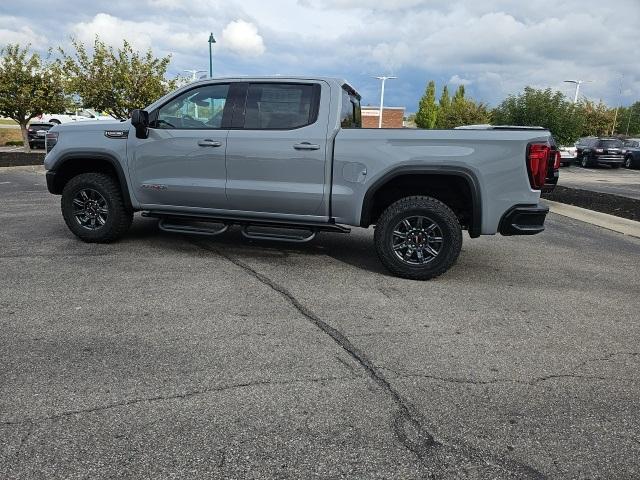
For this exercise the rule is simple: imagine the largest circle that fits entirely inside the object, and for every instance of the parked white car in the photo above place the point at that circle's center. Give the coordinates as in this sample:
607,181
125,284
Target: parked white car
567,155
77,116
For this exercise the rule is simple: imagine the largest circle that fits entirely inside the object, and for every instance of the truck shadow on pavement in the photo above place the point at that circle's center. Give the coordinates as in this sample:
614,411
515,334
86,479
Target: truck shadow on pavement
356,249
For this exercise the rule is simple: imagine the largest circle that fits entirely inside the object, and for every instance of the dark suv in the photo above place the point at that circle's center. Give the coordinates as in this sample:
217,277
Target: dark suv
592,151
631,151
36,133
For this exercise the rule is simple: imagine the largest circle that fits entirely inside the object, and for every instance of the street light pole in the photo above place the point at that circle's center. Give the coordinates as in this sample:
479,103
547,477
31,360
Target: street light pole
615,118
384,79
578,83
211,42
194,74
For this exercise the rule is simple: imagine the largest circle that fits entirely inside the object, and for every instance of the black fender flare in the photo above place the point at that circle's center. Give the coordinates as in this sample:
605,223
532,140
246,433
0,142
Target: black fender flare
470,178
102,156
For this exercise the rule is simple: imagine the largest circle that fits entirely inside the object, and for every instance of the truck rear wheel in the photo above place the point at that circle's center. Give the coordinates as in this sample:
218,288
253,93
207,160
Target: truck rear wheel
93,208
418,238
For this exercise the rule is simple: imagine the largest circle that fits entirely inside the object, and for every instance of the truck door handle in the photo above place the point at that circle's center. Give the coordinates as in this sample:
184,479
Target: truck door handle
207,142
306,146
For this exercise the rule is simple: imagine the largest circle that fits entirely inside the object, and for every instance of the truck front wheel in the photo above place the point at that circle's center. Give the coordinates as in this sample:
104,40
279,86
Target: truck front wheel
93,208
418,238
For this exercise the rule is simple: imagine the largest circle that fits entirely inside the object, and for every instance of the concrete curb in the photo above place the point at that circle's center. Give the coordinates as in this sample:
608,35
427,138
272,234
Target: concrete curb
604,220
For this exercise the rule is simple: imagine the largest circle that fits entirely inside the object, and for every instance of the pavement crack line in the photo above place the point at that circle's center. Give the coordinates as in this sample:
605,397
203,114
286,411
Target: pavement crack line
408,421
533,381
606,358
163,398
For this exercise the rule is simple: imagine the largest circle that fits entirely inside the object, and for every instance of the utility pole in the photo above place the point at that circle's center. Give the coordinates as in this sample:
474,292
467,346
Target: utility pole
615,117
211,42
384,79
577,83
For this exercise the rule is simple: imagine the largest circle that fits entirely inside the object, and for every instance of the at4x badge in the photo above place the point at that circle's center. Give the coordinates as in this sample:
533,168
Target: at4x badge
154,186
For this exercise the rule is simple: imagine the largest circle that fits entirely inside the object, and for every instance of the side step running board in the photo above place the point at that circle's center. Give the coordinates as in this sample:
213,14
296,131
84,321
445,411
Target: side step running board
185,223
167,226
278,237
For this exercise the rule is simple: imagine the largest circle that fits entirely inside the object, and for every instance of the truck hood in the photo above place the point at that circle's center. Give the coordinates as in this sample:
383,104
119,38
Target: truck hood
92,126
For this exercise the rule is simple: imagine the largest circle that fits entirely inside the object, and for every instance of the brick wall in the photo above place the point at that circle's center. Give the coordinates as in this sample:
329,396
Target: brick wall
391,118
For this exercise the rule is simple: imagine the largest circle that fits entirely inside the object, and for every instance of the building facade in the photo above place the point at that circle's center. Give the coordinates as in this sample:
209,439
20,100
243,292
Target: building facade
392,117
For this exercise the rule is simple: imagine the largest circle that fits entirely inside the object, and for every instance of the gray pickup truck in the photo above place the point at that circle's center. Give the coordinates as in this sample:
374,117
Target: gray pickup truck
285,158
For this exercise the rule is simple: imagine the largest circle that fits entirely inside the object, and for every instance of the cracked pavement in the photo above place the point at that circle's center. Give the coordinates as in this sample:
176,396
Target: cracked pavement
173,356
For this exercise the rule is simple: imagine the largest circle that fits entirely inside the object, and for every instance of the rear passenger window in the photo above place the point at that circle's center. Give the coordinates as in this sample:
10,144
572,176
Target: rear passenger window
350,115
281,106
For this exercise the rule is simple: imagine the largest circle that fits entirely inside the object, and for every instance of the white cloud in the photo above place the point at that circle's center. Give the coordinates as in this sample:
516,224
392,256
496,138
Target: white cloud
496,47
12,32
392,56
113,31
458,80
242,38
362,4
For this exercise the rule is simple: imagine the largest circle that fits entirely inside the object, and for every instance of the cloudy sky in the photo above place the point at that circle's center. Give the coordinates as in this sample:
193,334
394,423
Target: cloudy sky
494,47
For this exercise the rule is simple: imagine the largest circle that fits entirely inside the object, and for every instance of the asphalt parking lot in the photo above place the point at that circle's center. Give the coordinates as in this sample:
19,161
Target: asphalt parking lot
167,356
619,181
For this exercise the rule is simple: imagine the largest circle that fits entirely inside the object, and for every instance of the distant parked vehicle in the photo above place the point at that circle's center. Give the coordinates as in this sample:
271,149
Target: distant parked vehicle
36,133
631,152
77,116
593,151
580,144
567,156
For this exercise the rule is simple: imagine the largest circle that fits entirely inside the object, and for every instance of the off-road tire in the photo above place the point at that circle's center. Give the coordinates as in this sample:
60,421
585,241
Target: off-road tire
423,206
118,219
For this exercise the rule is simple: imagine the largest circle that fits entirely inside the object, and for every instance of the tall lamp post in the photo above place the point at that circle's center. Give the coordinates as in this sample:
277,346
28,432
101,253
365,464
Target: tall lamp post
194,74
384,79
211,42
577,83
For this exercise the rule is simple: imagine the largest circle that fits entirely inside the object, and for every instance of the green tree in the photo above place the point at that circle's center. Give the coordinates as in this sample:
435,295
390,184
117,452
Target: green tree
427,108
544,108
464,111
29,86
597,118
116,80
459,95
443,106
458,111
628,122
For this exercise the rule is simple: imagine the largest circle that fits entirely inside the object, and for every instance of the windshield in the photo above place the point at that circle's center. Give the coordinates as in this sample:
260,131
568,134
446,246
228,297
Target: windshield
613,143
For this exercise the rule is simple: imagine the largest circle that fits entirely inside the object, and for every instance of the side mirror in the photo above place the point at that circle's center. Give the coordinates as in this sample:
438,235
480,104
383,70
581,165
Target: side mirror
140,121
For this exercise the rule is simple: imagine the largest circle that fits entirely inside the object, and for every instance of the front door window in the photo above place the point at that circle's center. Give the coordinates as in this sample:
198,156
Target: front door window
198,109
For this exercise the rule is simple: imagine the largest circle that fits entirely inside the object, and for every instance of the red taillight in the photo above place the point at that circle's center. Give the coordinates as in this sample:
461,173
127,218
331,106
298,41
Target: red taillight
537,164
556,162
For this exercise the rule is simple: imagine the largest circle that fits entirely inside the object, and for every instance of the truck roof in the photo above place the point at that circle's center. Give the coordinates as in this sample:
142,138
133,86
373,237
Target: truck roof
245,78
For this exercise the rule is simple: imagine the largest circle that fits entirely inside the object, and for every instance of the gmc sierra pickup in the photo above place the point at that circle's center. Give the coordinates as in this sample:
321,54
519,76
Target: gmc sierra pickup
285,158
